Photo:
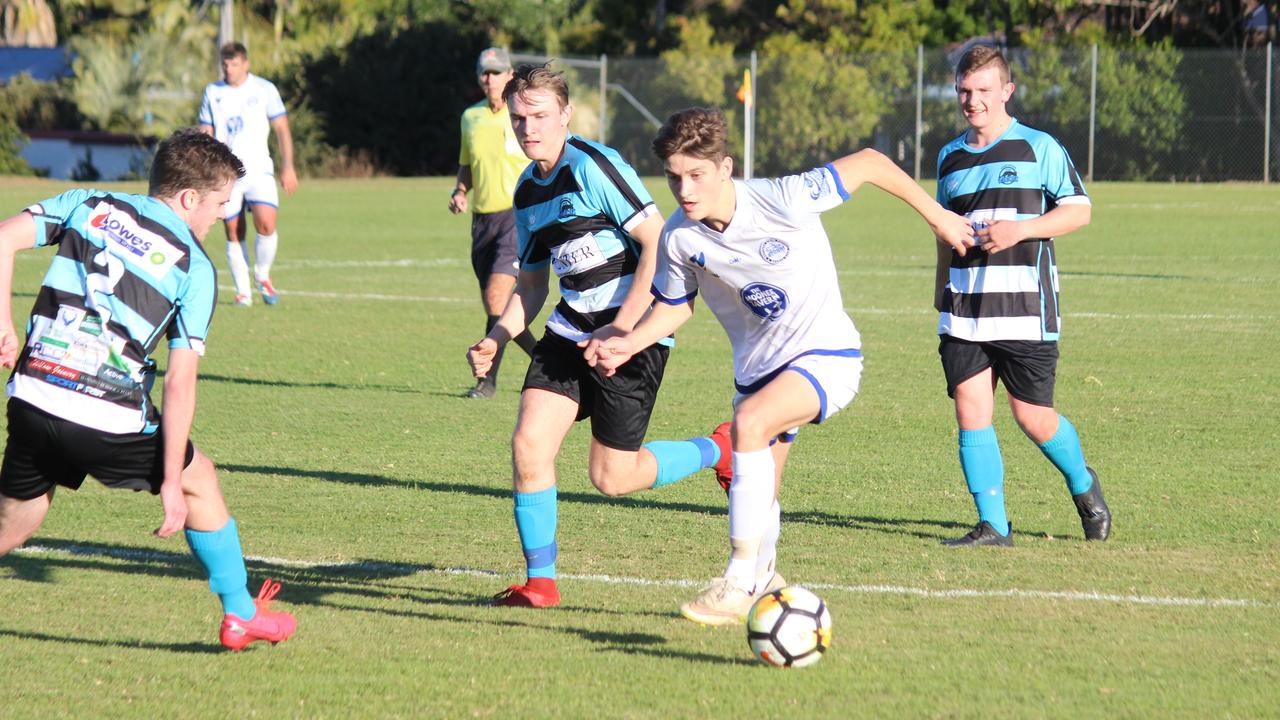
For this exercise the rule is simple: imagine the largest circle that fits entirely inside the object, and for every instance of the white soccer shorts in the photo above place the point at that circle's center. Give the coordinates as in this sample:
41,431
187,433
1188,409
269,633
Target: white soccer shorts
835,378
255,189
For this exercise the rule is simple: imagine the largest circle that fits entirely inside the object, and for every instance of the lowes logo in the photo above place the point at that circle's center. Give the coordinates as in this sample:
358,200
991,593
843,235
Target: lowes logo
123,236
767,301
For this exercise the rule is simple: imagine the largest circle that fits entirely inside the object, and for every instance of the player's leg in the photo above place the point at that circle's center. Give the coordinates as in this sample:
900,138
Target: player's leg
767,576
20,519
621,407
237,253
544,419
971,383
1029,378
261,194
786,402
214,539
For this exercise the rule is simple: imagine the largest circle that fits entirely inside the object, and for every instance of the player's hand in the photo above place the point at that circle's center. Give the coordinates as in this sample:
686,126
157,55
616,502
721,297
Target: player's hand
954,231
458,203
612,354
481,355
8,348
289,179
1000,235
175,508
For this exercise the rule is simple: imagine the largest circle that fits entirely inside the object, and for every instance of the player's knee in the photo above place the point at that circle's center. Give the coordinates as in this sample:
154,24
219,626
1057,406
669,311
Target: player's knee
608,481
751,428
199,478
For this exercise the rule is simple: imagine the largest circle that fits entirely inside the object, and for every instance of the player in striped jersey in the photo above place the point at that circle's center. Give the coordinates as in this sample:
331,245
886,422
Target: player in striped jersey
757,254
582,212
129,270
999,301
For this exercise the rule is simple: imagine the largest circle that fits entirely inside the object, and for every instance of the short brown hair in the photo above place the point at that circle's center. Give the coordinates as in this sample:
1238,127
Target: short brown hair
538,77
233,49
191,159
979,57
697,132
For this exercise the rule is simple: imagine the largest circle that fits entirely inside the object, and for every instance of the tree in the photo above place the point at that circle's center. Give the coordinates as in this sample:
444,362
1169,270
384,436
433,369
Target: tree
12,141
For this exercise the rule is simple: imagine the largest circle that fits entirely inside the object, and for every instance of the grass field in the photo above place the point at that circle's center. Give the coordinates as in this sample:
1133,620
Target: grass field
382,500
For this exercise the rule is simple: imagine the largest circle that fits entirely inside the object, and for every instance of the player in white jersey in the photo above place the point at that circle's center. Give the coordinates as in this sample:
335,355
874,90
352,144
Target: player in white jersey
241,111
757,252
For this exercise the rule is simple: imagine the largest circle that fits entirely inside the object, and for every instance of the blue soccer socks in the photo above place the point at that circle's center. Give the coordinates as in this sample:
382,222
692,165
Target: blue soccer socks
984,473
219,553
1064,451
678,459
536,523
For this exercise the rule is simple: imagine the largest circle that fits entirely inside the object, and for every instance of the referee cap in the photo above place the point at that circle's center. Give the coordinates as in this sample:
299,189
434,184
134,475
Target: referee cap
494,59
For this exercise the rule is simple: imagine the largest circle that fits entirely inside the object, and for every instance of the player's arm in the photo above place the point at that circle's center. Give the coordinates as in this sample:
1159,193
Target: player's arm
177,414
870,166
639,297
526,302
458,198
288,176
16,234
661,321
1004,234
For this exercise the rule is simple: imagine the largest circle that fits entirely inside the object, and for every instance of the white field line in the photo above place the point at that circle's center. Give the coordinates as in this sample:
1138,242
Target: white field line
957,594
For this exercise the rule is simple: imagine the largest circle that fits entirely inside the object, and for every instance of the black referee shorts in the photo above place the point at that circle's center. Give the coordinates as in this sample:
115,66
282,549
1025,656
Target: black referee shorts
619,406
1027,368
44,450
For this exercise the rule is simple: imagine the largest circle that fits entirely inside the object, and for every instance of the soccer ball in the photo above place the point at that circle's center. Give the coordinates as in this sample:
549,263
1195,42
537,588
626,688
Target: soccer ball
789,627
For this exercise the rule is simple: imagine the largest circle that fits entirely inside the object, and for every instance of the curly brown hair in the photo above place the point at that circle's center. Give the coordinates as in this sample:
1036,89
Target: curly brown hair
697,132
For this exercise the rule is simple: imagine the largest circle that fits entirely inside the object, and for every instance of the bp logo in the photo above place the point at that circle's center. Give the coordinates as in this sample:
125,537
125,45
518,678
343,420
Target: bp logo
1008,175
158,258
767,301
774,251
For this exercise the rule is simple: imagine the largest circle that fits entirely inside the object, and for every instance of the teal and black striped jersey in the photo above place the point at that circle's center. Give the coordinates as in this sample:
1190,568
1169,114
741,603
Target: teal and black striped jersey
128,271
1012,295
578,219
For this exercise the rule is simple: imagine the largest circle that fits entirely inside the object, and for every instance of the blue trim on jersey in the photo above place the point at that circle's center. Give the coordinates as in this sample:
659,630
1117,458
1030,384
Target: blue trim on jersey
273,117
657,294
844,194
757,385
822,394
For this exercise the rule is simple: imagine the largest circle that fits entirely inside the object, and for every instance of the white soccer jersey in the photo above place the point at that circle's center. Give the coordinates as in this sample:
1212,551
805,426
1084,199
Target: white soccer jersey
241,117
769,277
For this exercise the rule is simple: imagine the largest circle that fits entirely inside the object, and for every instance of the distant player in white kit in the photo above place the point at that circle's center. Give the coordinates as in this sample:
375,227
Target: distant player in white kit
240,111
758,254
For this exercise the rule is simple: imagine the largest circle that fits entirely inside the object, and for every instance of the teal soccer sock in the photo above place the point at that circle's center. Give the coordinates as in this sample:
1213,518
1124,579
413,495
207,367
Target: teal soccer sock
984,473
1064,451
678,459
219,553
536,523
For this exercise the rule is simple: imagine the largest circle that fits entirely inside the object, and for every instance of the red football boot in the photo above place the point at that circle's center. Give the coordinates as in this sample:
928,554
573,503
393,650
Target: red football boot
266,625
538,593
724,466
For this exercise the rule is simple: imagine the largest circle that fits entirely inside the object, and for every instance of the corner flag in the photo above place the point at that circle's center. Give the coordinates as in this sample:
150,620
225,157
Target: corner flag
744,92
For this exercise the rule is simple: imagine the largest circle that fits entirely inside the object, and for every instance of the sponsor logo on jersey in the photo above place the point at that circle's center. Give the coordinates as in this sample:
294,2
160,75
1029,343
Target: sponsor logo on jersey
1008,175
700,260
577,256
815,182
767,301
566,208
123,237
952,186
774,250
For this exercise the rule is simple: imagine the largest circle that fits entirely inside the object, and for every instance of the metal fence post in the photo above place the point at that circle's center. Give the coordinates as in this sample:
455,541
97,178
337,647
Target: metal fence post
1093,105
604,108
750,139
1266,128
919,105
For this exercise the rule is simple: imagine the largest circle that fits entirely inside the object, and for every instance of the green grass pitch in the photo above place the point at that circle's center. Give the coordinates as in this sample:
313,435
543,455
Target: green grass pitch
382,500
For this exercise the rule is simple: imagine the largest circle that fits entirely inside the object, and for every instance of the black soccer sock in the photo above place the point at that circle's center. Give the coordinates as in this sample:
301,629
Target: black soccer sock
526,341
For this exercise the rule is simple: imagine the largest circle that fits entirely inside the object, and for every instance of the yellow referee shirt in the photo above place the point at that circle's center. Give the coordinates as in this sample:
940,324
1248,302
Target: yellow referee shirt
490,148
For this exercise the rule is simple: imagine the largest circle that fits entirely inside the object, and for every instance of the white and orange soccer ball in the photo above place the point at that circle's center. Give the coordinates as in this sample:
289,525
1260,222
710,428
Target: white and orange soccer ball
789,628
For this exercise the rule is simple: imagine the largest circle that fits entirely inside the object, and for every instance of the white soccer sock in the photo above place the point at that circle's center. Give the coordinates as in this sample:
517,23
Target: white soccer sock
238,261
750,497
766,561
264,253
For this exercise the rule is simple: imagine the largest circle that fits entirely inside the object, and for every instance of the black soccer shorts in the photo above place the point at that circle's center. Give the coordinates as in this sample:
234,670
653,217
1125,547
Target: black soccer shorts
493,245
1027,368
44,450
619,406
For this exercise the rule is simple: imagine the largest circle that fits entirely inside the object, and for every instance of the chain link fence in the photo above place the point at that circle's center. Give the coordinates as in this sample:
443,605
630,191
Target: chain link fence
1155,115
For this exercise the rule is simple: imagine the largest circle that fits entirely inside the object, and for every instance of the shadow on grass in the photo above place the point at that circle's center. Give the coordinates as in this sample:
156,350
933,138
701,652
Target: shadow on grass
333,587
204,377
894,526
